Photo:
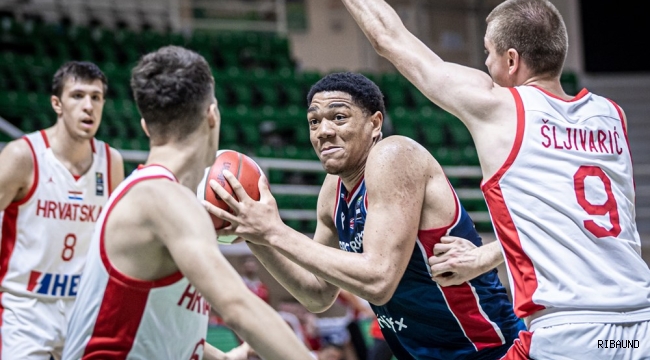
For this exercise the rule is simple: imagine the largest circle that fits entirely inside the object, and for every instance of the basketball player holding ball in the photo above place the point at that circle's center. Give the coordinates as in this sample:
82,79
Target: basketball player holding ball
154,268
557,176
244,169
382,207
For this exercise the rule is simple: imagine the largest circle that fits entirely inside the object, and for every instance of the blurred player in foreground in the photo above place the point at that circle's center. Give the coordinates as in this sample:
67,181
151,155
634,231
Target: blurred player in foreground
53,185
557,176
154,267
381,209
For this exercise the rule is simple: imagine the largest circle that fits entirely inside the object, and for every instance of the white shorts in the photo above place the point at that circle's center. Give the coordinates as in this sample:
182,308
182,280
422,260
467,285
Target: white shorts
32,329
620,341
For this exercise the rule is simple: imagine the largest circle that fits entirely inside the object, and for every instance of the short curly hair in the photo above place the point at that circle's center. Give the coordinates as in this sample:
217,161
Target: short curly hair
171,87
364,92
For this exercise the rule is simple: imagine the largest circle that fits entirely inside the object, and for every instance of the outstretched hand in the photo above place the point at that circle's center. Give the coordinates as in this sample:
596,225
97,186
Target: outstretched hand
455,260
249,219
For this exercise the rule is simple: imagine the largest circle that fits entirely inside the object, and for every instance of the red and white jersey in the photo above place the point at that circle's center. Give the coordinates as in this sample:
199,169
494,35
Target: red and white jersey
119,317
563,208
45,236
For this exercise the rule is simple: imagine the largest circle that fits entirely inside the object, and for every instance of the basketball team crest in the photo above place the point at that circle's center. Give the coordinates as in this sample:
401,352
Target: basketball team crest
357,209
99,183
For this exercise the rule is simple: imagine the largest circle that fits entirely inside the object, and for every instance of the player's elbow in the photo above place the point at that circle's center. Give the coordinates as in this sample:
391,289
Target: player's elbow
384,44
315,307
379,292
320,302
380,297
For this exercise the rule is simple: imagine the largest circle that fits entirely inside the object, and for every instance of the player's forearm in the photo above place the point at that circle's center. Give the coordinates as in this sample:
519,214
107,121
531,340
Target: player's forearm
314,293
264,330
212,353
376,19
490,256
371,278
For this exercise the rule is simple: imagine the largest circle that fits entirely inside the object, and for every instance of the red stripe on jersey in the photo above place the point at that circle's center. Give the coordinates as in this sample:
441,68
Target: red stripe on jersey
47,142
430,237
108,169
8,238
124,301
579,96
114,272
32,189
461,300
338,198
140,167
92,145
464,304
7,245
494,180
351,194
520,349
2,308
519,264
117,322
33,280
9,230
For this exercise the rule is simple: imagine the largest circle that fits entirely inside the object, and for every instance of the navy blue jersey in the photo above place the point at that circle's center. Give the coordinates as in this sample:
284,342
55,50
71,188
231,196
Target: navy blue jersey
474,320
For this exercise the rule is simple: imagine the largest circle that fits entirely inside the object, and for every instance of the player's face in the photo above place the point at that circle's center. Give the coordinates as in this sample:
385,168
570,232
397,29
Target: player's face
80,107
340,132
497,64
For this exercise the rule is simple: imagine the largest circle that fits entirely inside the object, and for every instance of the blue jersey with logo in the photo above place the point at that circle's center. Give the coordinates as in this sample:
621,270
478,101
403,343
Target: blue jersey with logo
422,320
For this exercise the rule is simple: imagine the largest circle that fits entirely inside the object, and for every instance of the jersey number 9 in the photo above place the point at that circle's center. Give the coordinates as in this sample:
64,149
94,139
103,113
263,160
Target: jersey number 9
609,207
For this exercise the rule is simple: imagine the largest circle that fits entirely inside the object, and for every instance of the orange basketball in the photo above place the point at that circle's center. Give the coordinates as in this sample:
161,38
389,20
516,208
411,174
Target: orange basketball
245,170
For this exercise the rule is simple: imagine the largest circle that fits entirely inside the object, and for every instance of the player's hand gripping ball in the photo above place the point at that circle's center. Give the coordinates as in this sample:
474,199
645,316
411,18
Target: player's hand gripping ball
247,173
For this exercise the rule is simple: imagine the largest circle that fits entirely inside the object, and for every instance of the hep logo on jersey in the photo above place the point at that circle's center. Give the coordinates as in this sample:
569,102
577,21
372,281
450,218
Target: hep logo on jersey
53,284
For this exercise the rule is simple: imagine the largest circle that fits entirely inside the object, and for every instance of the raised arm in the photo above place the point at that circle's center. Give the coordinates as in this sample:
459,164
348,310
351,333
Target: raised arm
440,81
196,254
16,172
389,234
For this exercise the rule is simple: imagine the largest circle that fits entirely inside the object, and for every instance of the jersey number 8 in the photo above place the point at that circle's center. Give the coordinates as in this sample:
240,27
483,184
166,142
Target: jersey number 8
68,247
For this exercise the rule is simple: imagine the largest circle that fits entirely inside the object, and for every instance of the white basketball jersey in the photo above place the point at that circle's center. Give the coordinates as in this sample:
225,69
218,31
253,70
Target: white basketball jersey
563,208
45,236
119,317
